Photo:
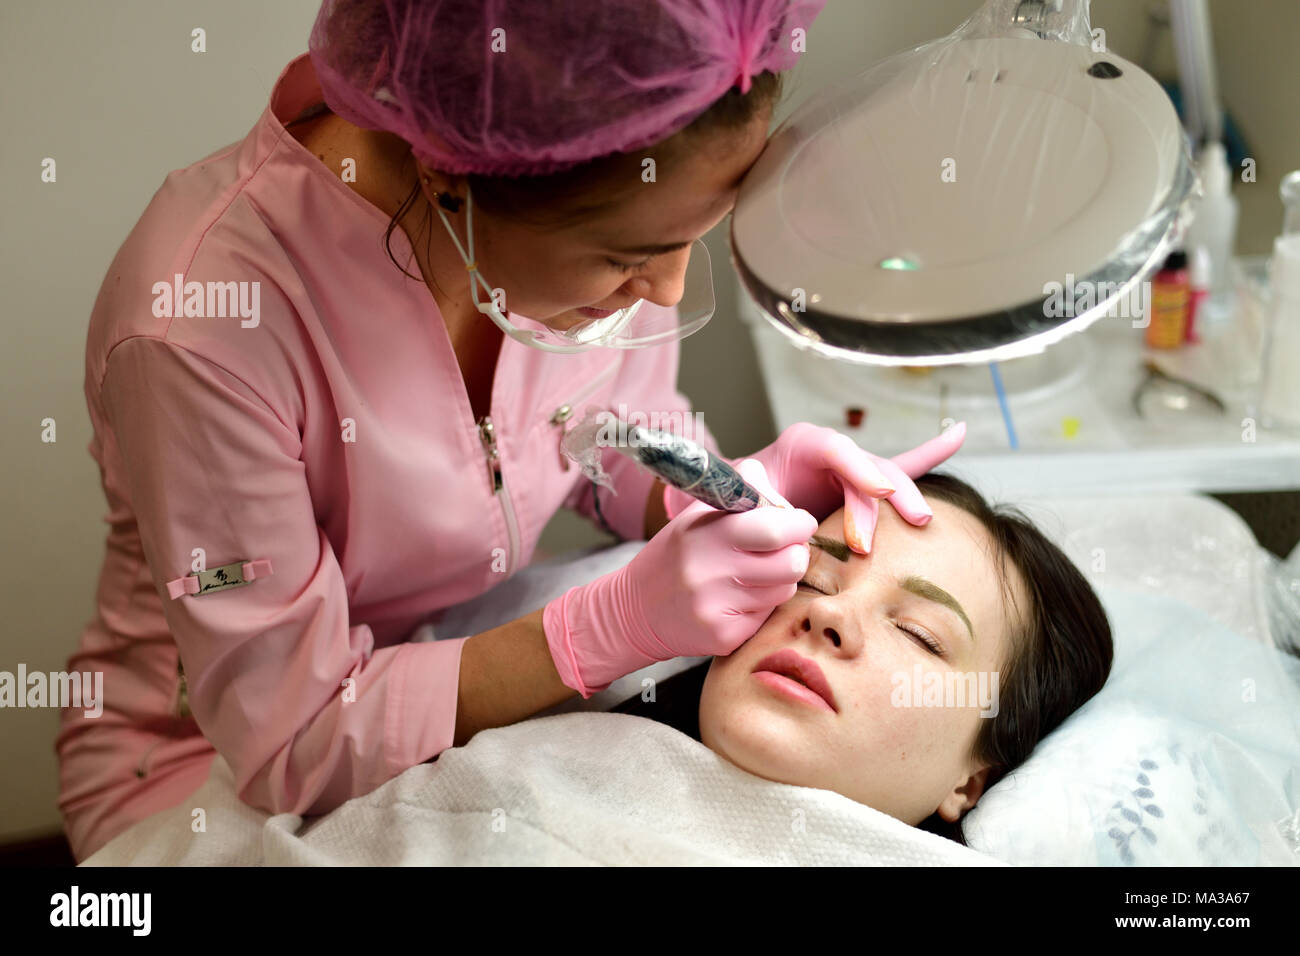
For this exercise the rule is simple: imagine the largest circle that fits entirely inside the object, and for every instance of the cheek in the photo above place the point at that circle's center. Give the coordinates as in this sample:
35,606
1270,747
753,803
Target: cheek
935,737
907,739
886,708
539,275
878,714
729,674
563,289
775,631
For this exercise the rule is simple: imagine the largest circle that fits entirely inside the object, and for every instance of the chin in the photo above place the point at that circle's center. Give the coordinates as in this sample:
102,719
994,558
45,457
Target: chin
768,741
768,756
567,320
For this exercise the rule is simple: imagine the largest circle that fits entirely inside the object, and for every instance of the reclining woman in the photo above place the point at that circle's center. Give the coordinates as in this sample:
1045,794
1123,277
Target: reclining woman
975,591
977,599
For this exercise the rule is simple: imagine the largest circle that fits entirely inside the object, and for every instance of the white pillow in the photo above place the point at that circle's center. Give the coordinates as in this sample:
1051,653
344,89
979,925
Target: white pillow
1189,756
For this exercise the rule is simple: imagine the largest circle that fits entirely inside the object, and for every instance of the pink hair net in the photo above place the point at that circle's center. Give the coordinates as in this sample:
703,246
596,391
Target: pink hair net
535,86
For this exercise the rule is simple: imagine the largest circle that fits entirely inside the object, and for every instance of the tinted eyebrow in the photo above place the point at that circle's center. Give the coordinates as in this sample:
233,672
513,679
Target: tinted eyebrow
919,586
836,549
653,250
932,592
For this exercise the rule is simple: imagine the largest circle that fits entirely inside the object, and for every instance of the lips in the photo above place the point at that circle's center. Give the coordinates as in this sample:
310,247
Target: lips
798,668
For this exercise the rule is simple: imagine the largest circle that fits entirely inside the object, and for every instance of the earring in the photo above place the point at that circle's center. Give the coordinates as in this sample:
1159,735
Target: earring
448,202
445,200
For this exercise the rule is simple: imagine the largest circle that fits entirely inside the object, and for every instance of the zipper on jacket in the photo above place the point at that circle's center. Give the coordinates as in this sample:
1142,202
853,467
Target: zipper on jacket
141,770
182,709
562,414
487,434
183,692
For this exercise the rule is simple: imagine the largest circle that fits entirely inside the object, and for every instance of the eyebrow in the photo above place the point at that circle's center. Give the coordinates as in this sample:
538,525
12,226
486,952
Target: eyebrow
658,249
919,586
666,247
653,250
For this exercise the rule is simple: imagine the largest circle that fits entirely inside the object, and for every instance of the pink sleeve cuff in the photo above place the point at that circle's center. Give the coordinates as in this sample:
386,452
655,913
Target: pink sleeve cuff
420,722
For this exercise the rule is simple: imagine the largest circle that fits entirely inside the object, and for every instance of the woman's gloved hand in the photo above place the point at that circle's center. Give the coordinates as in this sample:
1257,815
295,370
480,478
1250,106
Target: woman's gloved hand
819,469
703,585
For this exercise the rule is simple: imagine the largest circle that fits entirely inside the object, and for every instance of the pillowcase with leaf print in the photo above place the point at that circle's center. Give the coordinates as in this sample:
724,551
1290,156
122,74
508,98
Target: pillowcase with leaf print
1189,756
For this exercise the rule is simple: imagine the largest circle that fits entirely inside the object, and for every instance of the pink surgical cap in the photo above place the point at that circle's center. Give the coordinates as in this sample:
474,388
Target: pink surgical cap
524,87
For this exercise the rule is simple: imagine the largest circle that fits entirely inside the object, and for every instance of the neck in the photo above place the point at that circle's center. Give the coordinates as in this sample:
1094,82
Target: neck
440,263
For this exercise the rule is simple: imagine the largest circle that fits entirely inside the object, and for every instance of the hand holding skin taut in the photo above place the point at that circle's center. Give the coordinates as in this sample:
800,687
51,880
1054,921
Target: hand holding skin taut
703,585
820,469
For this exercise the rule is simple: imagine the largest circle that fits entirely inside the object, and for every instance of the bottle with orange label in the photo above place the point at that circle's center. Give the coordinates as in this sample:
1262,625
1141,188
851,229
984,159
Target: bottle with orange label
1171,297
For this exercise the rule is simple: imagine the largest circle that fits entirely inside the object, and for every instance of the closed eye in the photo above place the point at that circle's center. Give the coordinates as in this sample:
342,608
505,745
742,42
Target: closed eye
625,267
930,644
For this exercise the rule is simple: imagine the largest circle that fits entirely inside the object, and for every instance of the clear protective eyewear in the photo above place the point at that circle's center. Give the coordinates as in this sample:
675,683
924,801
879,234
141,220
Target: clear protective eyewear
633,327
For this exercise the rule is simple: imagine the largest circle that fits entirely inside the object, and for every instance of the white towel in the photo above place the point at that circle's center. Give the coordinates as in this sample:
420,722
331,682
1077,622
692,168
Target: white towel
572,789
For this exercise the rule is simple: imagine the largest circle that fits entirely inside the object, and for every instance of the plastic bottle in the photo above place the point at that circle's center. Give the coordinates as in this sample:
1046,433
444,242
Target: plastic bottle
1171,295
1214,227
1200,278
1290,191
1279,400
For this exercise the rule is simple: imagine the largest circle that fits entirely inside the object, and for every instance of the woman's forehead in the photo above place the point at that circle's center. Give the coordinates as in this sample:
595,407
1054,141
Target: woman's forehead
700,186
953,550
953,538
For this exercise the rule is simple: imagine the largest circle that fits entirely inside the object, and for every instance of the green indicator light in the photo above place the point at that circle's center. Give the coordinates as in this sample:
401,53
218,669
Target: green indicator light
906,265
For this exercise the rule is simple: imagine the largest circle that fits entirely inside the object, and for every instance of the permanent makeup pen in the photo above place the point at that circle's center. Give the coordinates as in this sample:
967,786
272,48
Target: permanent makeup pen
688,466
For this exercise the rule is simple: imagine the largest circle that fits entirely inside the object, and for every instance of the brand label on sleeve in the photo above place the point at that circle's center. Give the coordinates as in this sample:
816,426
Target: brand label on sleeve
219,579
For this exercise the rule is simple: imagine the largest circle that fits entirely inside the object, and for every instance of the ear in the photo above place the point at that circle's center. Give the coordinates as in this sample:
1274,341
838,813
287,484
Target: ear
964,795
433,180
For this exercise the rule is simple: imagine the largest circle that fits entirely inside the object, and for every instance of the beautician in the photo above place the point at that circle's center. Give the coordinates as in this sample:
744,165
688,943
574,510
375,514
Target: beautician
291,499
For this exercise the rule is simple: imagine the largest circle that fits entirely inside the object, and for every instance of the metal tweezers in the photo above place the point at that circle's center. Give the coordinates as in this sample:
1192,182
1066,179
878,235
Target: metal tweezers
1154,373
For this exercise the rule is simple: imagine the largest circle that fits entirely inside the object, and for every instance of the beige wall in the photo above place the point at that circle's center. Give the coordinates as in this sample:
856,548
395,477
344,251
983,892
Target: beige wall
111,91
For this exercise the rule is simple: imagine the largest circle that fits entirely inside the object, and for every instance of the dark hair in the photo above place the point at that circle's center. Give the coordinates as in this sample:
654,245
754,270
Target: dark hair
1061,649
571,196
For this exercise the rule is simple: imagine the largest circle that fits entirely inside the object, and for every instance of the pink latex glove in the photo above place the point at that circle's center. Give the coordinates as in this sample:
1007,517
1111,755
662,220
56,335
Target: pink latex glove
819,469
701,586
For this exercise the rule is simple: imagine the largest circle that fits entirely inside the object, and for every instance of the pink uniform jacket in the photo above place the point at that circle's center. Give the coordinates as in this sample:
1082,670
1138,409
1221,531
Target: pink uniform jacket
330,450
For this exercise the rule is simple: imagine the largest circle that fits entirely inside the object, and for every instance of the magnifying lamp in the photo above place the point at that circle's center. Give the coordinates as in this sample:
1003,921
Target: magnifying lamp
976,199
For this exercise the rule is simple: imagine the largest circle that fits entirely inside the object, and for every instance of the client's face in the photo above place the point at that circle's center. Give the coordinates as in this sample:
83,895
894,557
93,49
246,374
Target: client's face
905,716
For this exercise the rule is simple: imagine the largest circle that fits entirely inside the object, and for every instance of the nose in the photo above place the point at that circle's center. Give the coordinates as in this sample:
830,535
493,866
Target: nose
831,620
826,631
664,281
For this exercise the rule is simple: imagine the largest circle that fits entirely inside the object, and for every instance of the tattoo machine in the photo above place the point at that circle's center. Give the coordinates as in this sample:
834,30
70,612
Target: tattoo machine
678,461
